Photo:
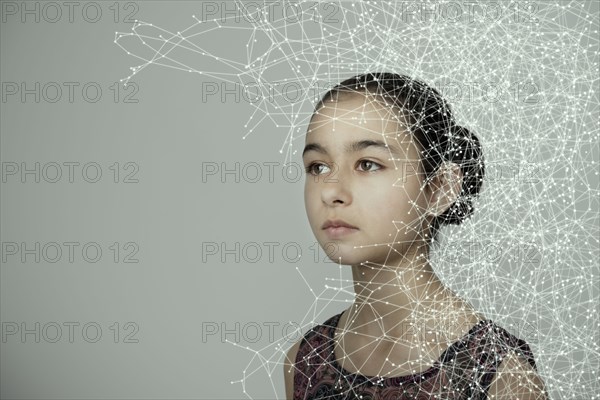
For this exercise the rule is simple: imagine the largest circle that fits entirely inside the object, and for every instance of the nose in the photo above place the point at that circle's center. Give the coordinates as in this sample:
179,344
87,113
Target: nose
335,189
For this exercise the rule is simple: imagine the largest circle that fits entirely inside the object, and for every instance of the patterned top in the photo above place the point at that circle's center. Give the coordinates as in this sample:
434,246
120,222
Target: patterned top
463,371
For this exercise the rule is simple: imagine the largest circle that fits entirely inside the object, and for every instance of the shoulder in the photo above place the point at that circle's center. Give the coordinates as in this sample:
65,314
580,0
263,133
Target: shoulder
314,339
289,368
510,365
516,378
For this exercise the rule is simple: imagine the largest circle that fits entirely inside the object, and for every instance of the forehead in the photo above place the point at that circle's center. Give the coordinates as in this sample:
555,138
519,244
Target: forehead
358,114
346,125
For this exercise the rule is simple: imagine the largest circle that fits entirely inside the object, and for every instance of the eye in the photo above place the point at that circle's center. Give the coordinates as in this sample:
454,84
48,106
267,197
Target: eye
310,168
369,163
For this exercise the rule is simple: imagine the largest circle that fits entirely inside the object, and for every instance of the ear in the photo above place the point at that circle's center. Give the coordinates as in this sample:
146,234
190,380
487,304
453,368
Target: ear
444,188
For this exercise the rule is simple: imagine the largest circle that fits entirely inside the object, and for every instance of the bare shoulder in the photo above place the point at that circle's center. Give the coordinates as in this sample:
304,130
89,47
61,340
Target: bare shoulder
288,369
516,379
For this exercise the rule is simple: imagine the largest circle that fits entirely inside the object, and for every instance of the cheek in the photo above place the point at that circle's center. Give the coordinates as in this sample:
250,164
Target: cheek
402,202
309,201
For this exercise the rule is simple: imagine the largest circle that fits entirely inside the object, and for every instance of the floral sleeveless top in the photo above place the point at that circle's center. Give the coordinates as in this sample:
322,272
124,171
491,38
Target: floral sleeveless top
463,371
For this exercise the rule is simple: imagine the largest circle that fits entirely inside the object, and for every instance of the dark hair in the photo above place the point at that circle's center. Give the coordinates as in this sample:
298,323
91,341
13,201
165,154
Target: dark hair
432,124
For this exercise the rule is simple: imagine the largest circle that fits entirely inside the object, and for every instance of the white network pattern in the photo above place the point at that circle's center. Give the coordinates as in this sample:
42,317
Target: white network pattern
523,76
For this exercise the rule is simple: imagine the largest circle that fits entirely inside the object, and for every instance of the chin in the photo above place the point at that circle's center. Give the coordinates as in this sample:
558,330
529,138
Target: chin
339,253
336,249
343,261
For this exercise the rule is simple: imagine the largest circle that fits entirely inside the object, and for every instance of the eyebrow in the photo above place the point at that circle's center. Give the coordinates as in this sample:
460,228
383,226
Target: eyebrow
353,147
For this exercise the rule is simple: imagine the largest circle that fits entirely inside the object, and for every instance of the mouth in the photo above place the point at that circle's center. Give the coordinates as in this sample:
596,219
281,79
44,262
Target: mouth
337,223
338,228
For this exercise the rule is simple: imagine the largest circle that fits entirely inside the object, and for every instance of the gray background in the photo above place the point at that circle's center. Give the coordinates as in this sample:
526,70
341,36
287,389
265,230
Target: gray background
173,295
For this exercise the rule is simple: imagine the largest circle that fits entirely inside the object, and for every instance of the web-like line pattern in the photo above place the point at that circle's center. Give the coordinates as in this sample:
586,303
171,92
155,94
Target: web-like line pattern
463,371
526,79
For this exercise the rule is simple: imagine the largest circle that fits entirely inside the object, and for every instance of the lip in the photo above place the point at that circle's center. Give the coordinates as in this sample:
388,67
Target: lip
337,223
337,228
337,232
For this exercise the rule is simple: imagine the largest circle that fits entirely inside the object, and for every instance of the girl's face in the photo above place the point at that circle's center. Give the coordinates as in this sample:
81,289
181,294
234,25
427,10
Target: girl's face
352,176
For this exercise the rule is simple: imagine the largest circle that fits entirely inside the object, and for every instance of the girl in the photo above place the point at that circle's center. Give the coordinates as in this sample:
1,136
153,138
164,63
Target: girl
387,165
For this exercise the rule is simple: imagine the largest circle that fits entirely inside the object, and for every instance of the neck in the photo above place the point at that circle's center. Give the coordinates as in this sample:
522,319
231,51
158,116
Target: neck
390,297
